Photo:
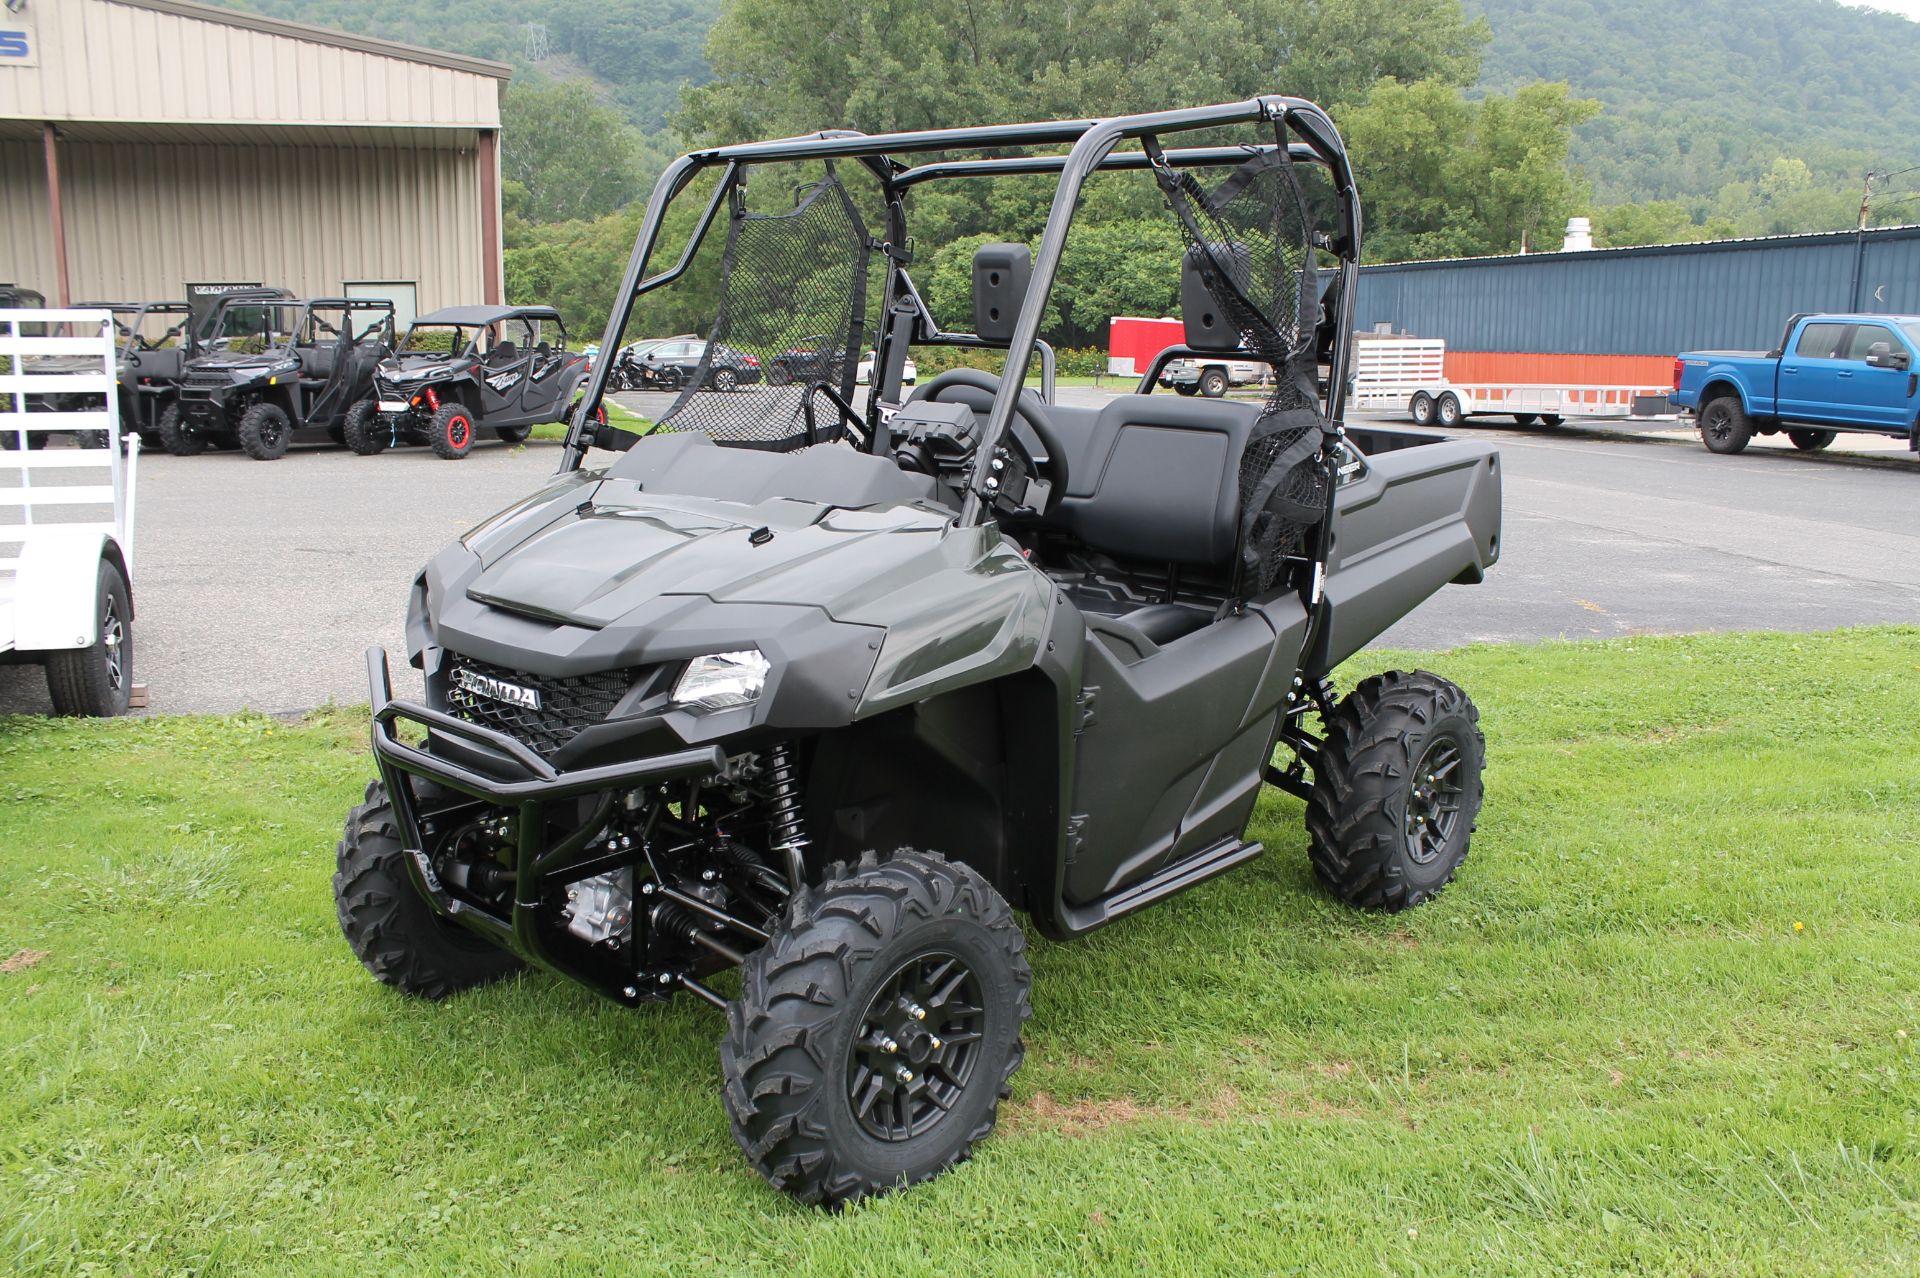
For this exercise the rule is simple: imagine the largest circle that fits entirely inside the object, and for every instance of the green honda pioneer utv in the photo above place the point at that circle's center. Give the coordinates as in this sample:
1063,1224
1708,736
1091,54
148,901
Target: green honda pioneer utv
797,702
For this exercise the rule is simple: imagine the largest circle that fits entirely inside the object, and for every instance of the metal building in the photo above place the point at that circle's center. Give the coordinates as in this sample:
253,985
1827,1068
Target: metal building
1620,315
146,145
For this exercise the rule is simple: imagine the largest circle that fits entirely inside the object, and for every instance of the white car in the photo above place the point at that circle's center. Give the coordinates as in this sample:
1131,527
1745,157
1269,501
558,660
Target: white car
863,374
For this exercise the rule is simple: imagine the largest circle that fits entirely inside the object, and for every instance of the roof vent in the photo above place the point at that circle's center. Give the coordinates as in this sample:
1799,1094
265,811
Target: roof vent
1579,235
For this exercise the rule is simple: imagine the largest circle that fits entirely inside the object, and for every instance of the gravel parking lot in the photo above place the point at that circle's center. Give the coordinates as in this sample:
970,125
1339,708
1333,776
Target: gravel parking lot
260,585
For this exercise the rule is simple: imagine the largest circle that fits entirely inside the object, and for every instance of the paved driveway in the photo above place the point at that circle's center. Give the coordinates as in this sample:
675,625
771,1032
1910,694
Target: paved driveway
260,584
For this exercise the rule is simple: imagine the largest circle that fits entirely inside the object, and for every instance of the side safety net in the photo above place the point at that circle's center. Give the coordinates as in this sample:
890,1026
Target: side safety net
791,317
1251,240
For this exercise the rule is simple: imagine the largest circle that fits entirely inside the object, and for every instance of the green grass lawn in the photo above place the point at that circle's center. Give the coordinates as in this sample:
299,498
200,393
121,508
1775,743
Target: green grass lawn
1666,1022
618,416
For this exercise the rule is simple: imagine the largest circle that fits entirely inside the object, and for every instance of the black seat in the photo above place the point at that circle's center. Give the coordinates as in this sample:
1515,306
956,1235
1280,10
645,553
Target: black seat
317,361
1157,479
504,353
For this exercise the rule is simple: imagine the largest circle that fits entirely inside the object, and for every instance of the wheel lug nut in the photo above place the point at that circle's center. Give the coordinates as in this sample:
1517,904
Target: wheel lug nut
903,1074
916,1011
888,1046
933,1041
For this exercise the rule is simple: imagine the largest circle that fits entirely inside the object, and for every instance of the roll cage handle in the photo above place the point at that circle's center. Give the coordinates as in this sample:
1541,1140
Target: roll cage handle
847,411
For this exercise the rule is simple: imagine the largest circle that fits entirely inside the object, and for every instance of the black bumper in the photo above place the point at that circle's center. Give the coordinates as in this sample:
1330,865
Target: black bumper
497,769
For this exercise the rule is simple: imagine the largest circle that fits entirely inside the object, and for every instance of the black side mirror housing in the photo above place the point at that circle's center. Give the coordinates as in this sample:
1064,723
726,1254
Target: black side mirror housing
1208,328
1001,273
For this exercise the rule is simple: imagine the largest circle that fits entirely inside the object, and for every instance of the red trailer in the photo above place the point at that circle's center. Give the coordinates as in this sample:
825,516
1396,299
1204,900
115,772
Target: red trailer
1133,341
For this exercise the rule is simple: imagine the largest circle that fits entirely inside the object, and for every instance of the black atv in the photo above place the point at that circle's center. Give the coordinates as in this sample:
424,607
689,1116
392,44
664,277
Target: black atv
826,692
266,370
465,368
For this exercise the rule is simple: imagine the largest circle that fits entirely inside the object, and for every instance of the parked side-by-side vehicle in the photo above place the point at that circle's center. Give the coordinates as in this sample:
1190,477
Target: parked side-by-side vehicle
269,370
1830,373
825,692
464,369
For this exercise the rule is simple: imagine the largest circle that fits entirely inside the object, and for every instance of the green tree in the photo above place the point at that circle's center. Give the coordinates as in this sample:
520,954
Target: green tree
573,156
1656,222
1445,176
792,66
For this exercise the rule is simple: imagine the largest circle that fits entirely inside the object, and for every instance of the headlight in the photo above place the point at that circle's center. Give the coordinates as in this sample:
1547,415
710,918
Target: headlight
722,681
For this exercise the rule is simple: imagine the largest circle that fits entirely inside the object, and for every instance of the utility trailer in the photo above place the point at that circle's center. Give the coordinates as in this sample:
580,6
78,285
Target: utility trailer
66,514
1409,374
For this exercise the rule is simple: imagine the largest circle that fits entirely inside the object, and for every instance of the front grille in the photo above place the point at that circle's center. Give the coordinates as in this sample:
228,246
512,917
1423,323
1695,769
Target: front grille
567,706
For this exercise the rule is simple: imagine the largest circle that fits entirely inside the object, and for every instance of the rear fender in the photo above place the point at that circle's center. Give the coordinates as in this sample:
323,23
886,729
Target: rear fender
56,589
1720,382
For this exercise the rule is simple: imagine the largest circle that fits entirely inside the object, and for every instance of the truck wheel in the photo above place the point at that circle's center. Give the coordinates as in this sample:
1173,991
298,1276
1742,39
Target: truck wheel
264,433
1186,388
1213,383
451,431
1525,419
1810,441
1420,409
1724,426
1396,790
176,436
363,432
1552,419
513,434
1447,411
395,934
97,680
876,1031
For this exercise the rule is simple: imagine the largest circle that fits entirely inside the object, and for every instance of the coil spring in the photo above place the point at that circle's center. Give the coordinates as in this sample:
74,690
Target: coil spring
783,801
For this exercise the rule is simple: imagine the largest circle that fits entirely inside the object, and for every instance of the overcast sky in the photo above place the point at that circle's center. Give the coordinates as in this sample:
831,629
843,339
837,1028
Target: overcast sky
1906,8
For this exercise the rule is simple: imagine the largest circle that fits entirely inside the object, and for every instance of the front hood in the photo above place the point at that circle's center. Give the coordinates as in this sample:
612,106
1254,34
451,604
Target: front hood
241,365
619,547
414,368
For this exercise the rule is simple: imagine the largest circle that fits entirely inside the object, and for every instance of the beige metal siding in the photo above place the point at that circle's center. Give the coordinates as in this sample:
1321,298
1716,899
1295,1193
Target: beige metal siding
144,219
26,236
103,61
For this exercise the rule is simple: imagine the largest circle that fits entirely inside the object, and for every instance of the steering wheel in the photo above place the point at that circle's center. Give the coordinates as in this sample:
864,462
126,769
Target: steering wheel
1048,462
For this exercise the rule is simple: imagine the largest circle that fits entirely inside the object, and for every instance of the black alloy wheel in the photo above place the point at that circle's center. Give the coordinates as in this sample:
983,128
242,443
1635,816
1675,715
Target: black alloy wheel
916,1049
1435,802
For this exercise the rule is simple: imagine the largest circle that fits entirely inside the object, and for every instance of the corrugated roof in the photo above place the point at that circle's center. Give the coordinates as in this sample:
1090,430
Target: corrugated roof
1905,230
323,35
230,70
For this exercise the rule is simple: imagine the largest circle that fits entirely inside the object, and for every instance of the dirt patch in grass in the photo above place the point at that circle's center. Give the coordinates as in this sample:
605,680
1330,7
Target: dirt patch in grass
21,961
1041,1112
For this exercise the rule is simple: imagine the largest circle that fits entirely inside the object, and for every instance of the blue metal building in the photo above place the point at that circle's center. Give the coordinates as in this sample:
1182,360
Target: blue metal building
1657,300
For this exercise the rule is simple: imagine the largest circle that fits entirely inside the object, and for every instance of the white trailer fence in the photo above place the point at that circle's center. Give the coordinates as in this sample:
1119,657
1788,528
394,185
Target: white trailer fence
61,508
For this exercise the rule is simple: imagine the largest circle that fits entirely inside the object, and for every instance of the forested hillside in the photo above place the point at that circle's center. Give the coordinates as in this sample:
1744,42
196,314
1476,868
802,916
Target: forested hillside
1696,94
1476,125
639,52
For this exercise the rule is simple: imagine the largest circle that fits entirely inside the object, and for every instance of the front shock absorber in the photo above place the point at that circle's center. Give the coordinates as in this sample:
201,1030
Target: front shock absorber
783,803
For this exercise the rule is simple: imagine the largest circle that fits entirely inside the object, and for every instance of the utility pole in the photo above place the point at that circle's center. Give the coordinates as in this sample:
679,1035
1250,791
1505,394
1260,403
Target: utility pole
1860,241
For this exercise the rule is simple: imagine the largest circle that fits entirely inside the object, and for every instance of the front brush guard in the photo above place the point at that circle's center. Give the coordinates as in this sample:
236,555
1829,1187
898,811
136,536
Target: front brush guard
526,783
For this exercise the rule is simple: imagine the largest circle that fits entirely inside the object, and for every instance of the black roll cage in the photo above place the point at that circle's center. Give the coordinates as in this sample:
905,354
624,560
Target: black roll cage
305,307
1093,143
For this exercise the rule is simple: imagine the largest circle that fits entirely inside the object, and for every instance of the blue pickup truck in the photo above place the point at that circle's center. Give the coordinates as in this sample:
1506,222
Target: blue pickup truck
1830,373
